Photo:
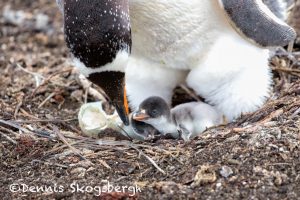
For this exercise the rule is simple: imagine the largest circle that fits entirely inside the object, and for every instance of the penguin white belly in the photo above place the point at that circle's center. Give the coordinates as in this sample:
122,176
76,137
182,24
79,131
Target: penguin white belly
175,34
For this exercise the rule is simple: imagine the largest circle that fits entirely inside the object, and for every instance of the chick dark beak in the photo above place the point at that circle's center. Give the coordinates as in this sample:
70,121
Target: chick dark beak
113,85
140,116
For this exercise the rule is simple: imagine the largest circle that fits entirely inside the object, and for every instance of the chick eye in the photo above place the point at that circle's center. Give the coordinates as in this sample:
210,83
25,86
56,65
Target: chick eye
154,112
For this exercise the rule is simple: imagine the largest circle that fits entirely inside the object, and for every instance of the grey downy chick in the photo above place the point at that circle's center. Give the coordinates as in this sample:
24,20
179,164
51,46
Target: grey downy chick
185,120
195,117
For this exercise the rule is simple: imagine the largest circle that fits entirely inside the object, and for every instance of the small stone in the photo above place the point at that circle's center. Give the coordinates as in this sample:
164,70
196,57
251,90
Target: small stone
226,171
205,175
80,171
90,169
41,21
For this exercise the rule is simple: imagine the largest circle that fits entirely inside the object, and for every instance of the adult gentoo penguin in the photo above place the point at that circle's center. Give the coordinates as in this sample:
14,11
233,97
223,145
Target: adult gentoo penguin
98,35
220,48
204,43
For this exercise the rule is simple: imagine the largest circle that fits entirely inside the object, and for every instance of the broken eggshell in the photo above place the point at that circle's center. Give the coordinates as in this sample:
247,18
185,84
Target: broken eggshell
93,119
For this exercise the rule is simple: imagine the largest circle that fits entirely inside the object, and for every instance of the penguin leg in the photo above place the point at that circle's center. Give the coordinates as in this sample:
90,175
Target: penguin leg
234,77
145,78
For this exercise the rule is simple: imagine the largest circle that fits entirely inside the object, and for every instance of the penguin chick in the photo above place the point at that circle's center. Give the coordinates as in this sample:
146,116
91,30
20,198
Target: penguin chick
195,117
186,120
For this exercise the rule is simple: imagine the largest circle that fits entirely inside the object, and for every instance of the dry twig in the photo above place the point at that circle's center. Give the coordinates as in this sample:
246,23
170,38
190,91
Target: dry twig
87,86
49,163
47,99
63,139
148,158
7,137
37,77
189,92
131,145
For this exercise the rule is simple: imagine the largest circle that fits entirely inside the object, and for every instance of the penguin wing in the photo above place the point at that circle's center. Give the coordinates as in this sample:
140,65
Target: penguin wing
255,21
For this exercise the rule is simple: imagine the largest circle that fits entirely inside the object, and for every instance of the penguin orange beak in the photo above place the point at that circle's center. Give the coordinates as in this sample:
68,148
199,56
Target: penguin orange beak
122,108
140,116
113,84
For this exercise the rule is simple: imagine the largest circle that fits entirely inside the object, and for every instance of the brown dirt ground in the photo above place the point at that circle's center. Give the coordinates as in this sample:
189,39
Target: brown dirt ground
256,157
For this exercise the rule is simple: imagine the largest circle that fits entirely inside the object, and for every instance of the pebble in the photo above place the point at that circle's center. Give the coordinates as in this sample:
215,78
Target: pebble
226,171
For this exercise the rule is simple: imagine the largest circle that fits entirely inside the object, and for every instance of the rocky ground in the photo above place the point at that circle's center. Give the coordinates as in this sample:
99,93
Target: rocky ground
43,153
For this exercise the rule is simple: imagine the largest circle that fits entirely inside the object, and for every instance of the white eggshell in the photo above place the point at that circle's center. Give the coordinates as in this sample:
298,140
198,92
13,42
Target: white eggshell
93,119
